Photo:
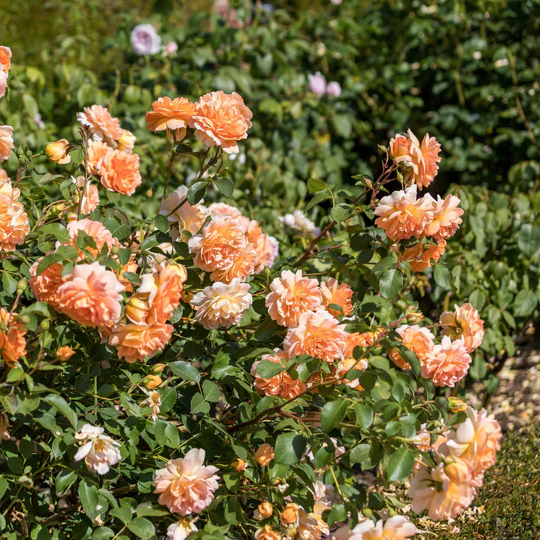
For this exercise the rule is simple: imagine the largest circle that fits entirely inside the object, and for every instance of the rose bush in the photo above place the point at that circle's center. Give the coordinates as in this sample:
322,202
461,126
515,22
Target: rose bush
178,360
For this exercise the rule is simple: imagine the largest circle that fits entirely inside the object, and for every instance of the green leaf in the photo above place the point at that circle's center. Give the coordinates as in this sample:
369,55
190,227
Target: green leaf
314,185
364,415
211,391
289,448
196,192
267,369
225,185
185,370
88,494
391,283
400,464
123,513
333,413
442,276
529,239
162,223
360,453
58,230
341,213
64,480
3,486
524,303
266,330
62,406
199,404
142,527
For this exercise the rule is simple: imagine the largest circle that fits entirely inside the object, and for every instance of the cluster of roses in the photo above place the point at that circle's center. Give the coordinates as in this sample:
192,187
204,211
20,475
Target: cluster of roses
404,216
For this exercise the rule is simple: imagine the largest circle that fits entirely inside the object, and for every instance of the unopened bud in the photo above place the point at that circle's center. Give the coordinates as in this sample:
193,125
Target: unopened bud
413,315
115,250
456,405
368,512
290,514
157,369
25,319
265,509
58,152
22,285
239,465
152,381
45,324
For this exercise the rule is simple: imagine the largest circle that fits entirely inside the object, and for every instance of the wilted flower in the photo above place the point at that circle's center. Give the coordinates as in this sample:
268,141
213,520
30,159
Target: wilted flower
221,119
447,363
298,222
181,215
465,324
416,339
58,152
317,83
119,172
12,341
145,40
101,124
292,295
339,294
181,530
154,401
264,455
318,334
6,142
172,115
333,89
221,305
185,485
99,451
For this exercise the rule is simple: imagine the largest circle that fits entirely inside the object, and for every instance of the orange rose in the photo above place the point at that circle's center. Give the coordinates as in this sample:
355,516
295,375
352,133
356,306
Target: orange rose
58,152
13,219
6,142
338,294
5,59
120,172
12,342
64,353
101,124
172,115
45,285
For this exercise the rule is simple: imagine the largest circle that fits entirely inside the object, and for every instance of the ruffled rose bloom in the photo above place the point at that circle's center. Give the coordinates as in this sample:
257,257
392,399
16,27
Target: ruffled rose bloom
465,324
96,152
291,296
6,142
224,209
58,152
90,295
99,451
172,115
181,530
64,353
299,222
263,246
221,119
421,258
170,283
101,124
317,83
45,285
264,455
366,339
3,83
318,334
264,510
181,215
90,195
476,440
447,363
222,249
446,218
267,534
339,295
185,485
221,305
333,89
145,40
309,527
281,384
416,339
420,159
402,215
5,65
135,342
96,230
120,172
394,528
443,491
12,341
13,219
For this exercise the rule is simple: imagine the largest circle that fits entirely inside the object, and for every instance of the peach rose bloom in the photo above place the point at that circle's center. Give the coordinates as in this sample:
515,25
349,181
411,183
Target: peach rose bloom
264,455
224,209
356,339
90,295
58,152
421,258
120,172
338,294
135,342
263,246
222,249
308,526
291,296
416,339
477,440
318,334
127,141
96,152
6,142
181,529
100,452
222,305
13,219
422,440
12,341
221,119
90,195
400,149
443,491
394,528
97,231
101,124
3,176
267,534
185,217
185,485
5,59
3,83
465,324
170,284
402,216
446,218
172,115
447,363
45,285
64,353
282,384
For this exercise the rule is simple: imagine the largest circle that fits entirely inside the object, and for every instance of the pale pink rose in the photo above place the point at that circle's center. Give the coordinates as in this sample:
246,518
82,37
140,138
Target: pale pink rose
221,305
181,530
416,339
446,218
145,40
443,491
185,485
181,215
90,295
170,49
476,440
447,364
101,124
317,83
465,324
402,216
318,334
6,142
339,294
99,451
333,89
299,222
292,295
394,528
